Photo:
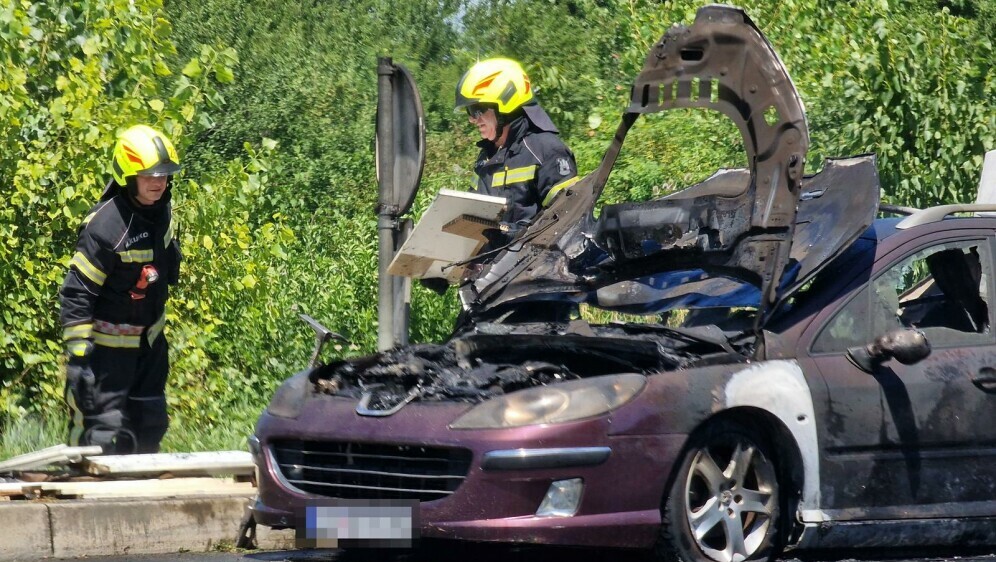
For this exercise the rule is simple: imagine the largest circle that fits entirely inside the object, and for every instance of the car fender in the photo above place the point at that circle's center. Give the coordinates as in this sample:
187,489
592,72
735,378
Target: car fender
780,388
680,401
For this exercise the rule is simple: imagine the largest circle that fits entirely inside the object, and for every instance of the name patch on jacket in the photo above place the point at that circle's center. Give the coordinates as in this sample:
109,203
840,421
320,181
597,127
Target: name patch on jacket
134,239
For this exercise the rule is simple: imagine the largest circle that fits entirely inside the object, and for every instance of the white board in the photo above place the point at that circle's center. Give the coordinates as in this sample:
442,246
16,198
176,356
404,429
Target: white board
987,181
450,231
207,462
173,487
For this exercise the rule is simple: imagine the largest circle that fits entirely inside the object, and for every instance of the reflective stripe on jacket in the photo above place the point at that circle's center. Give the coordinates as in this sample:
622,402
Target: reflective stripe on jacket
115,242
532,167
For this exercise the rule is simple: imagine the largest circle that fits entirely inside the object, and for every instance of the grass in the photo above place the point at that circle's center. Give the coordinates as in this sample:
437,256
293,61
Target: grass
34,432
186,435
30,433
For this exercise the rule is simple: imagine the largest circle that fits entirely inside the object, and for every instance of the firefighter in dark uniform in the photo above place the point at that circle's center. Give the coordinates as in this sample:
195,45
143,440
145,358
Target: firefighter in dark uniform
522,157
114,300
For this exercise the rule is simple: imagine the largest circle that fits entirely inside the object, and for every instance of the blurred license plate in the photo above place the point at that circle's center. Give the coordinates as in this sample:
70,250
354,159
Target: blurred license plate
358,523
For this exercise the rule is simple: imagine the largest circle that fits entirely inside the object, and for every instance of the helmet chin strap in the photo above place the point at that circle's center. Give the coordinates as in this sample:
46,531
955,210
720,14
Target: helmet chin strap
503,119
504,123
500,130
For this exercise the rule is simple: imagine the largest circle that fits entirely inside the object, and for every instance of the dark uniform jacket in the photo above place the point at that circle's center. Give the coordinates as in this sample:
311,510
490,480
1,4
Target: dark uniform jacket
116,240
532,167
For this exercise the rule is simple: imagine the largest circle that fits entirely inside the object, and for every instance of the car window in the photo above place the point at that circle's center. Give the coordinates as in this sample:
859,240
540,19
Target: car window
943,290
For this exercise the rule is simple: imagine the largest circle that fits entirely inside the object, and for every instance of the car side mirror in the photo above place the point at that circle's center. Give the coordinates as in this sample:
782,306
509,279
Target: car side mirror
908,346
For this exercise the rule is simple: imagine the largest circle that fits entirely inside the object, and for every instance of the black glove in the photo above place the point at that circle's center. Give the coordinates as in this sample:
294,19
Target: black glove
497,237
437,285
80,380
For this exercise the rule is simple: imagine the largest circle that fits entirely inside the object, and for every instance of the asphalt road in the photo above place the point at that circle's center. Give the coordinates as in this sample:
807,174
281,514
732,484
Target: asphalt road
454,553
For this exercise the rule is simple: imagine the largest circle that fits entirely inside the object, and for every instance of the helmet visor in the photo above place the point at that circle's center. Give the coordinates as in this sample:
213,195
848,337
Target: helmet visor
475,110
163,168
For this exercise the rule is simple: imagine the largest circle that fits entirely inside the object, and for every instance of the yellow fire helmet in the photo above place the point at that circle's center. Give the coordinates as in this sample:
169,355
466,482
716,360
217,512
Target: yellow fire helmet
501,82
143,151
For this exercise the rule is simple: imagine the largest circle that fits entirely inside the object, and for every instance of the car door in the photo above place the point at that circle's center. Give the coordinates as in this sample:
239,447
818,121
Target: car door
912,441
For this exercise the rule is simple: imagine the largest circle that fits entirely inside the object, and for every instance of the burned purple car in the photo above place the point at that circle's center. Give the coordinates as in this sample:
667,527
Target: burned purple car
805,375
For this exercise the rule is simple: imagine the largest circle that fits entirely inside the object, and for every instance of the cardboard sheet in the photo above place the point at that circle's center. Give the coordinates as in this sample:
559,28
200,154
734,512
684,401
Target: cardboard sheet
451,230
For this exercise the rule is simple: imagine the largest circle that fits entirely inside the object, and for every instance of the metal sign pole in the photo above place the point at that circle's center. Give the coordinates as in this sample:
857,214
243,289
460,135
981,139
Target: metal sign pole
385,213
400,158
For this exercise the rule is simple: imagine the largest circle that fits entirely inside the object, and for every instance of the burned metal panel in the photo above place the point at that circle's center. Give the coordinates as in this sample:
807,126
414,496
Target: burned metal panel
963,531
721,62
908,436
780,388
631,231
836,206
684,289
911,440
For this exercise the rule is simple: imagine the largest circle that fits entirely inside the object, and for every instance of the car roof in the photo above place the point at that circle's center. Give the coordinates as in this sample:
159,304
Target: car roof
884,228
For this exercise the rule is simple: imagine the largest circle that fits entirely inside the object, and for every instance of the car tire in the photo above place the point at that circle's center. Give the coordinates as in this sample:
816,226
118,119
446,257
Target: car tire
724,502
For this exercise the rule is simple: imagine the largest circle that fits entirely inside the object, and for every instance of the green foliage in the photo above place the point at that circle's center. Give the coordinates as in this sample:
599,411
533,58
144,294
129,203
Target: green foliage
235,261
923,102
565,47
74,73
33,432
310,83
917,89
191,433
285,225
25,434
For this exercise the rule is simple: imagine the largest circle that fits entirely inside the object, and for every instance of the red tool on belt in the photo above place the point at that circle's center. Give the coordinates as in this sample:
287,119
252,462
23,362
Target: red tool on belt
148,276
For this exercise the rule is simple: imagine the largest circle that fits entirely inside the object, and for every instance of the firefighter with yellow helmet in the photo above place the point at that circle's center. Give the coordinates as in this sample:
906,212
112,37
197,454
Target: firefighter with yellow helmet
114,299
522,157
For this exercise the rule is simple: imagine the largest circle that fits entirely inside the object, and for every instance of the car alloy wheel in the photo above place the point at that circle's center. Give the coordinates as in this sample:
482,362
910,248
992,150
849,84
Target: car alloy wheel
724,502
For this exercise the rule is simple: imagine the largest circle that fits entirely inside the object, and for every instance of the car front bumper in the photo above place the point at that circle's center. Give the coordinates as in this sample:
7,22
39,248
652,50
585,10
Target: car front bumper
511,470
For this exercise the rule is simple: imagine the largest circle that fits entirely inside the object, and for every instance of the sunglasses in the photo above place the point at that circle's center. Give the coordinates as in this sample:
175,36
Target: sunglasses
476,110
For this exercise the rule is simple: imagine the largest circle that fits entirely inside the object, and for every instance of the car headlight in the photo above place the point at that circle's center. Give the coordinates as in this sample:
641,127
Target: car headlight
555,403
289,397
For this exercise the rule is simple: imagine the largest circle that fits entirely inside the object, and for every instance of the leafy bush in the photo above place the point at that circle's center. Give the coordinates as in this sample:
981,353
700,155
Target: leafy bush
285,224
923,101
74,73
905,79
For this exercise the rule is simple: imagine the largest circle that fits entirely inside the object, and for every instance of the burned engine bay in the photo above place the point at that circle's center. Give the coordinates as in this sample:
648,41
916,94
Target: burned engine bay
498,359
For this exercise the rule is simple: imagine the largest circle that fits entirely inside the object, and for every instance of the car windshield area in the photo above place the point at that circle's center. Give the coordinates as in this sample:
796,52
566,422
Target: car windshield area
680,299
943,290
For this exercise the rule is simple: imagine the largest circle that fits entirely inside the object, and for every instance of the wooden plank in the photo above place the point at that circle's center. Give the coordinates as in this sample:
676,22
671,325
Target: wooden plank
58,454
172,487
8,489
210,463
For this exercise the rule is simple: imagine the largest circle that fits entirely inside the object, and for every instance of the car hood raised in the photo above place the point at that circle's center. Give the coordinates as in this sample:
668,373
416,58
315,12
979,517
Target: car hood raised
738,224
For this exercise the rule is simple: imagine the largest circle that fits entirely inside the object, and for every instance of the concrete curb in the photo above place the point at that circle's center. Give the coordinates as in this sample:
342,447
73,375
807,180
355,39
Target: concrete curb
71,528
